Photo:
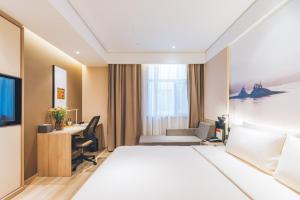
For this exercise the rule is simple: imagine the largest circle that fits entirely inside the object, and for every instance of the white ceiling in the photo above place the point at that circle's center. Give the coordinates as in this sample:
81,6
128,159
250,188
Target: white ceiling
129,31
137,26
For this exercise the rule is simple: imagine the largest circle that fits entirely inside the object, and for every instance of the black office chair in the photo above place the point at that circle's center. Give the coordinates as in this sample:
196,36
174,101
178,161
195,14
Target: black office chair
82,143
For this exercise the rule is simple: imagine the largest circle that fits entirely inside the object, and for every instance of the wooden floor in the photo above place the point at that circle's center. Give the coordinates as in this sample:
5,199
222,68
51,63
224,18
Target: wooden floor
60,188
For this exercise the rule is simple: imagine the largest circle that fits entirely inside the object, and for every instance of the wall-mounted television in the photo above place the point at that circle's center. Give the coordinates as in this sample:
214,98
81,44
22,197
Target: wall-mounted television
10,100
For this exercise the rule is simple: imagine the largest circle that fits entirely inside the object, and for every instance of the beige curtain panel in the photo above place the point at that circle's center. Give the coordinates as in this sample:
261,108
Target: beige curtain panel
124,105
196,94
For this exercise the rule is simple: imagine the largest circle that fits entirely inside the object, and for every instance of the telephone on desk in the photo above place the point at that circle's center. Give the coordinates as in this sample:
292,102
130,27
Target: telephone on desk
213,139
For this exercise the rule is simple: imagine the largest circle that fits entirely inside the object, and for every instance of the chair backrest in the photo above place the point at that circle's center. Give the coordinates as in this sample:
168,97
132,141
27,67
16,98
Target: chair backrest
90,130
204,129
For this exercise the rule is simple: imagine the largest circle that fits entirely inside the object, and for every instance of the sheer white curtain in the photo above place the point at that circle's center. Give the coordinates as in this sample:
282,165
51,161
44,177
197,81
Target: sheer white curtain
164,98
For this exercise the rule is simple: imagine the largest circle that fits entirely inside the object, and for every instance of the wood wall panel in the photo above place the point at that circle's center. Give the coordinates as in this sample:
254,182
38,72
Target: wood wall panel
38,60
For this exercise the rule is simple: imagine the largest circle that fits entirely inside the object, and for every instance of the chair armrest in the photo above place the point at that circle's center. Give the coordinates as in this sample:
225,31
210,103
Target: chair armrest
76,136
181,132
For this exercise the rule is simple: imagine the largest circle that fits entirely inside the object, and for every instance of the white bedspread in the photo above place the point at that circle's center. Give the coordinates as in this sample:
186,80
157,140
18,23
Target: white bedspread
158,173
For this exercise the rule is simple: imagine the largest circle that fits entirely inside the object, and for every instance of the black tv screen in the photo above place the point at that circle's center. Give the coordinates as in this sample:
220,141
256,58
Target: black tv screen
10,100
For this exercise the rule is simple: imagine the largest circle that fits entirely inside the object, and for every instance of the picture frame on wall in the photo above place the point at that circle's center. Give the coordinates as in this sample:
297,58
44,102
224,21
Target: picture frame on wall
59,89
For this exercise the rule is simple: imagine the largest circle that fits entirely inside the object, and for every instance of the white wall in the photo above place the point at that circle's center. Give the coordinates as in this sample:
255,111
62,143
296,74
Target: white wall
10,142
269,54
253,16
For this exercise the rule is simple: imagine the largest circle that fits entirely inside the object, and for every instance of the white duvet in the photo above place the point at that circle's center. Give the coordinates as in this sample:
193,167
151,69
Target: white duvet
158,173
255,183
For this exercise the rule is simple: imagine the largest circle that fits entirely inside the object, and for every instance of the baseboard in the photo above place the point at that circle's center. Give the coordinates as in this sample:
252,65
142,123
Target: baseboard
19,190
30,179
13,194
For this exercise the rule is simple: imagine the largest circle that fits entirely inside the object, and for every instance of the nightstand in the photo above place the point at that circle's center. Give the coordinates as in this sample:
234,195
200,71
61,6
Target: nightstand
212,143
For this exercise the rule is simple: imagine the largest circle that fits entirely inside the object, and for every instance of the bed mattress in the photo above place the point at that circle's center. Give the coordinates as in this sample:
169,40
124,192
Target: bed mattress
158,173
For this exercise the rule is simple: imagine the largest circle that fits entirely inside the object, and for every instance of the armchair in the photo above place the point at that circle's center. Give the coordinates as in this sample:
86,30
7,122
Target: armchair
180,137
204,130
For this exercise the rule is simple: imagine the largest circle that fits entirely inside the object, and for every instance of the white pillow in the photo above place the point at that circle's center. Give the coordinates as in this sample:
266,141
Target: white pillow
261,148
288,170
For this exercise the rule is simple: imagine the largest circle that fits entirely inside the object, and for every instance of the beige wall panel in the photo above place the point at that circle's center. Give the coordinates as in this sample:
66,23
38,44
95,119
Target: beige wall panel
216,86
10,48
10,154
95,94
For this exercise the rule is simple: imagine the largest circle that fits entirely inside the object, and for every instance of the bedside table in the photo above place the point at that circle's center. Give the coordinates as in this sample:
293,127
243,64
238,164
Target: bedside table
212,143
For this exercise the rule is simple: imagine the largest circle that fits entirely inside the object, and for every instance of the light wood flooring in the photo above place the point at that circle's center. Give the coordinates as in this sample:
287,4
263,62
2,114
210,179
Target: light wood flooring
60,188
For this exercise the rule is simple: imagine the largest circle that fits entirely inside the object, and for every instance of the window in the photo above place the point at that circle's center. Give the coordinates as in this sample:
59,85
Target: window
165,95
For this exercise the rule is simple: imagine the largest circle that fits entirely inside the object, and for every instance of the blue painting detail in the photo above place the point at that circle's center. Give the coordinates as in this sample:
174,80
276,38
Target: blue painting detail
258,91
7,100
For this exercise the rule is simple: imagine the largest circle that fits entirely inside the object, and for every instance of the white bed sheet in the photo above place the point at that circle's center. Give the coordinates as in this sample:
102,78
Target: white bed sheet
257,184
158,173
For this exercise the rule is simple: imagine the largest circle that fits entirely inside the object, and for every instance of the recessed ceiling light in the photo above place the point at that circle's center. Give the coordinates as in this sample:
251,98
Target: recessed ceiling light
77,52
173,47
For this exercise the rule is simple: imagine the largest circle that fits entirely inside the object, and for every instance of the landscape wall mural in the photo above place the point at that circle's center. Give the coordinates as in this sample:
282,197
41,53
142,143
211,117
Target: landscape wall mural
265,71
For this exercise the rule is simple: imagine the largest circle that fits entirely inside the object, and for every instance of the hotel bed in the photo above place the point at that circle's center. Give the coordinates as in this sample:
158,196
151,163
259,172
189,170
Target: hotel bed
258,163
179,173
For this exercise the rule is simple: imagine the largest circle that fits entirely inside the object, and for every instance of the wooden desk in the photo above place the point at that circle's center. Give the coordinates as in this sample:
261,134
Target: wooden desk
55,150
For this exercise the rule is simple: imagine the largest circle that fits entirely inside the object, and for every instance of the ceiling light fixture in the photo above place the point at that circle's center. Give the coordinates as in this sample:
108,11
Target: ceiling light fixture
77,52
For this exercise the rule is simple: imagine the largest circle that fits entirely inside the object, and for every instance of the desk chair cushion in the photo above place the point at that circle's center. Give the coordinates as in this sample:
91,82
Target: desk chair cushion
83,143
